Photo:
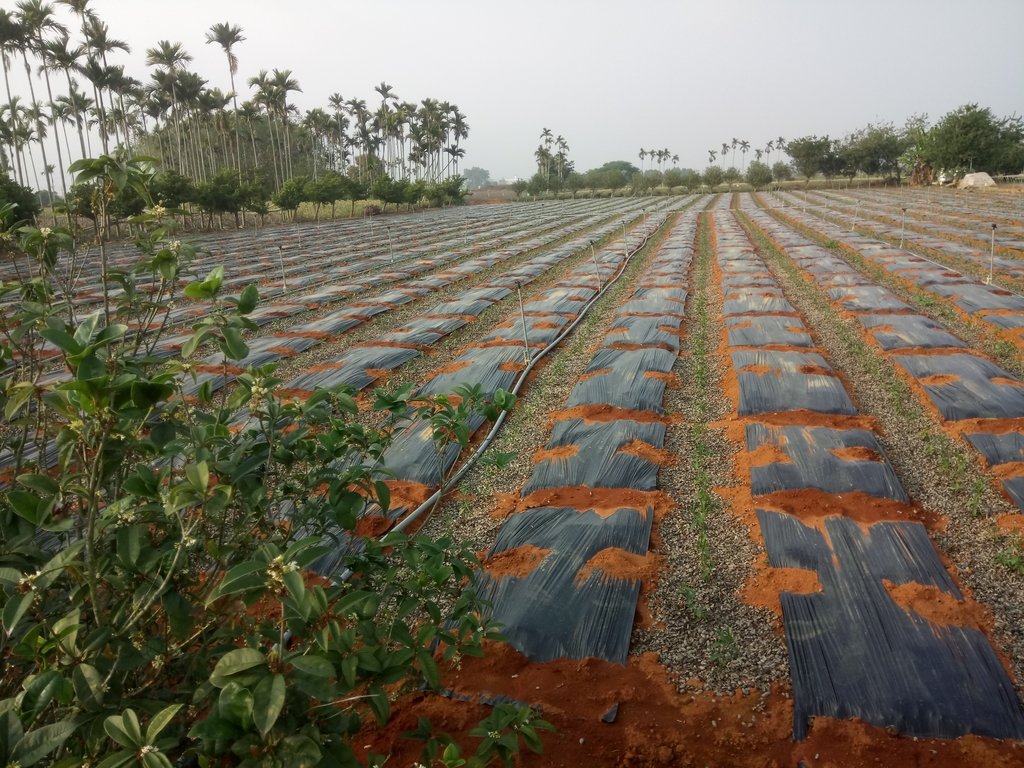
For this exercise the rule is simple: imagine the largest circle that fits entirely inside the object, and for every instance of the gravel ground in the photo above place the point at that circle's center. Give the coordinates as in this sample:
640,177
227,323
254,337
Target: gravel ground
940,474
703,629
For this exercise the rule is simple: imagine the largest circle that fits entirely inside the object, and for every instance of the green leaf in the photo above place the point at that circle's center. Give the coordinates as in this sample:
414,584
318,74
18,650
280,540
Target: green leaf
88,685
247,301
40,483
162,433
383,494
428,667
302,751
378,702
315,666
27,505
234,347
120,759
198,290
37,744
85,331
268,701
156,760
160,721
124,731
14,610
235,662
198,475
242,577
129,543
10,576
17,396
235,705
62,339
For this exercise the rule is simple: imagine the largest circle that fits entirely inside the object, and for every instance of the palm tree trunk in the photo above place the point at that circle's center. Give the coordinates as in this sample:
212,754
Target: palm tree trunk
78,115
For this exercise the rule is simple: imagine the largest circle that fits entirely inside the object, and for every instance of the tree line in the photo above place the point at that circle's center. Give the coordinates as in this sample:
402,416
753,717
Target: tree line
81,102
966,139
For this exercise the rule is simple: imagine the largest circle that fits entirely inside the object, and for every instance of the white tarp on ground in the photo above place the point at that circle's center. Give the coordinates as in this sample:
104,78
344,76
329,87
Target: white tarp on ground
980,179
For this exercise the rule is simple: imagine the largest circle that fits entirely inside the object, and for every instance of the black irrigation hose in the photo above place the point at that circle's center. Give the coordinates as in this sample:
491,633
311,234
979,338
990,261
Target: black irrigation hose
474,457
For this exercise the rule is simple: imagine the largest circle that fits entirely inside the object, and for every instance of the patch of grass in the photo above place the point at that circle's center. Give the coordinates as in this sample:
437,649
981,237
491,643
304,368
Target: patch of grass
701,454
1012,556
725,648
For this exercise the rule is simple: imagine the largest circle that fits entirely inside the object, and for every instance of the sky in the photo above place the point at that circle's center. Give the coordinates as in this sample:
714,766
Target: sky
612,77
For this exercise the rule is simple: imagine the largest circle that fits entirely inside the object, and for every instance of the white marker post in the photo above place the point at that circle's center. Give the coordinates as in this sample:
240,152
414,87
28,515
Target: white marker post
522,315
992,255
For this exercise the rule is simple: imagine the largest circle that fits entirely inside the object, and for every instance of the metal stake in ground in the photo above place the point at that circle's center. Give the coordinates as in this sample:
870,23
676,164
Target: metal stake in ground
597,268
280,256
856,215
522,316
992,255
391,246
903,225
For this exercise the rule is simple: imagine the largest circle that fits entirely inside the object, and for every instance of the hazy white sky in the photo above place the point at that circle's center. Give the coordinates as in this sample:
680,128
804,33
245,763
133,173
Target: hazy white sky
613,77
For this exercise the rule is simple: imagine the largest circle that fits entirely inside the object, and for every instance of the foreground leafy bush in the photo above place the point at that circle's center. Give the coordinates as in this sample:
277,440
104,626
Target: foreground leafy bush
159,600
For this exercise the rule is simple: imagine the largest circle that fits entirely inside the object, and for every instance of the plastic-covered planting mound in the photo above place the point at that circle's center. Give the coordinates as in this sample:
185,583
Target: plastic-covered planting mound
755,301
1001,450
975,298
866,298
352,368
647,331
652,306
748,280
632,379
413,455
539,330
767,330
772,381
899,331
271,312
560,301
965,386
334,323
841,279
492,368
661,294
568,606
831,460
263,350
471,304
855,653
420,337
1009,322
599,455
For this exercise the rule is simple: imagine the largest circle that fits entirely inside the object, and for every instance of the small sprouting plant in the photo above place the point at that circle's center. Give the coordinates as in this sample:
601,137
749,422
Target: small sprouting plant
725,648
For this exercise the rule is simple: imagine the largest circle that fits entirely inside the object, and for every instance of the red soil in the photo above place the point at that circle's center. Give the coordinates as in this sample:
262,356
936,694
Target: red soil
856,453
657,725
767,584
936,606
555,454
518,562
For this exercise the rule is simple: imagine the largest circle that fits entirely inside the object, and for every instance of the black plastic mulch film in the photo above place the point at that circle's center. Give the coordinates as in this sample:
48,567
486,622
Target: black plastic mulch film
771,381
822,458
965,386
556,611
959,385
898,331
854,652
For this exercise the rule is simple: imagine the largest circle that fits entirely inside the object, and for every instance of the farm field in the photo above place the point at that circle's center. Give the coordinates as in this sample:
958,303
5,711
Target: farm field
765,505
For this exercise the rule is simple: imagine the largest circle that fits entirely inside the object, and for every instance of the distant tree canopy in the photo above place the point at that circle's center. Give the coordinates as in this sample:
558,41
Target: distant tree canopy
26,204
476,177
973,138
